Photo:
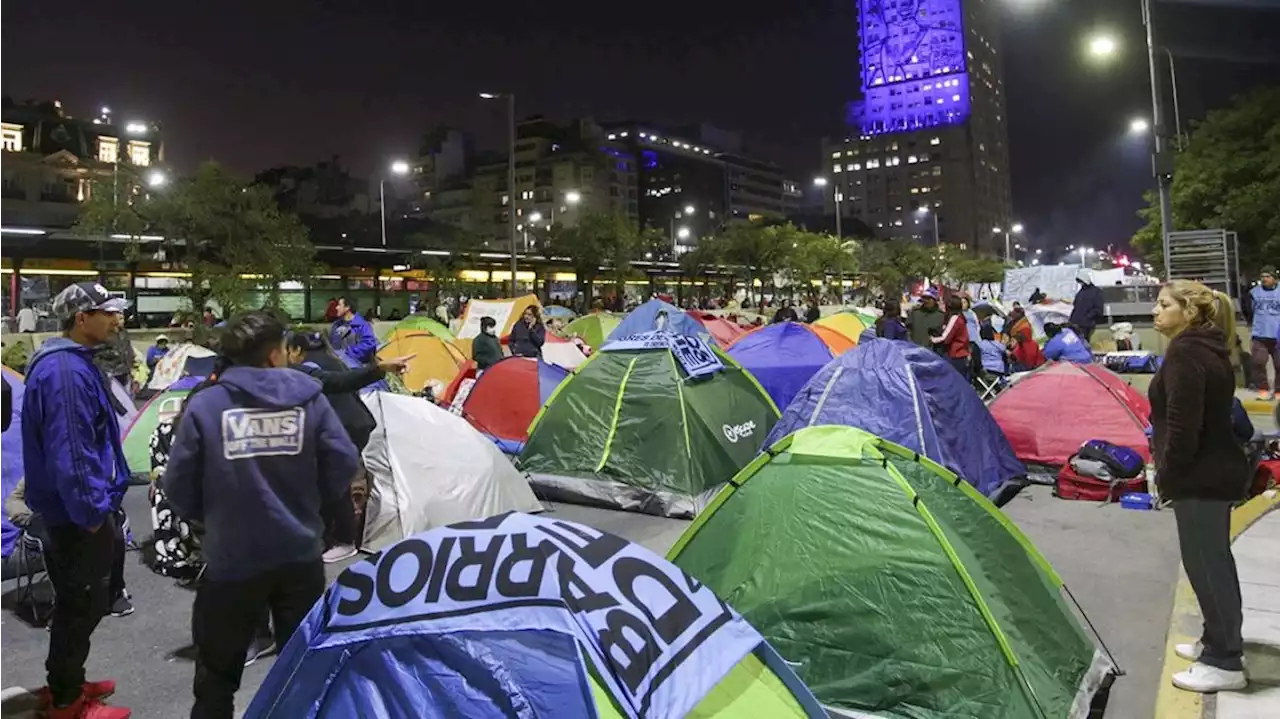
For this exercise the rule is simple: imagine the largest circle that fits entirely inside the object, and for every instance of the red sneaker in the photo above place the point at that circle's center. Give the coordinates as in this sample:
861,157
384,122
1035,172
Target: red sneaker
100,689
85,708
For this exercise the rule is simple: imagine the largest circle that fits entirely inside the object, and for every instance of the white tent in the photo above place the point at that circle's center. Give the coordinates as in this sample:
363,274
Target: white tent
170,368
428,468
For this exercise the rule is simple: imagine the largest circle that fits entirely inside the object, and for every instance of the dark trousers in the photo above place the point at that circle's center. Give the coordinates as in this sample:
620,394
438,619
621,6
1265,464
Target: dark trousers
1204,538
35,527
80,564
1260,351
225,618
342,526
961,364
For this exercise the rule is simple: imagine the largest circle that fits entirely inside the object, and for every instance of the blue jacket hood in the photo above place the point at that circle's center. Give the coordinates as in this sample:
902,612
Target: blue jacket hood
58,344
272,388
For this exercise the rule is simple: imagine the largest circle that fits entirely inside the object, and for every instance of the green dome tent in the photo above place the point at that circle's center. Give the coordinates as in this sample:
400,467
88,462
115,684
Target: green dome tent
416,322
643,426
137,438
895,588
594,328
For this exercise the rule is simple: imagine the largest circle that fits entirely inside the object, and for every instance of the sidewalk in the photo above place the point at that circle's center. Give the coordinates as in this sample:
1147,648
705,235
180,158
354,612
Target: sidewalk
1255,528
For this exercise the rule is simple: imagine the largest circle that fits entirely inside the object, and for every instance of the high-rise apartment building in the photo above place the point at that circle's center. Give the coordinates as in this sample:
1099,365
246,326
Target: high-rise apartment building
927,145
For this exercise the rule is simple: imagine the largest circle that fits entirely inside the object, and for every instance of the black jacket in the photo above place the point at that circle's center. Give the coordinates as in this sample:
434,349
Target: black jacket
342,387
527,341
1089,307
1194,446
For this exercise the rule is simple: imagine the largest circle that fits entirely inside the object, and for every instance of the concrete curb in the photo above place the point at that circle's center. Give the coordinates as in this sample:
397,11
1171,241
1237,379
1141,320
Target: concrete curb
1258,406
1184,624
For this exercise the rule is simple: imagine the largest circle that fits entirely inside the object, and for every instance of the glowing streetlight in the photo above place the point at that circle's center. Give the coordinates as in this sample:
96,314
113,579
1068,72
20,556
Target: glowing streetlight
157,179
683,233
399,167
1017,228
535,217
819,182
1139,126
489,96
688,209
573,197
136,128
1103,46
822,182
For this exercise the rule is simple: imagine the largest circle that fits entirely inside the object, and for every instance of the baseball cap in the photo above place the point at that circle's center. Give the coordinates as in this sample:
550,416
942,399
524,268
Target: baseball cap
162,338
86,297
1269,270
930,293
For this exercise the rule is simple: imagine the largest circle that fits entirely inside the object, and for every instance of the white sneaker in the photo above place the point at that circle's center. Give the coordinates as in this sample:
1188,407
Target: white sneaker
1190,652
1205,679
338,553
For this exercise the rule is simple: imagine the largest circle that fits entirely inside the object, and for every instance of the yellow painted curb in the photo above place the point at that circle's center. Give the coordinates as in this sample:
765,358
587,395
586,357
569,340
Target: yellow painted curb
1258,406
1171,702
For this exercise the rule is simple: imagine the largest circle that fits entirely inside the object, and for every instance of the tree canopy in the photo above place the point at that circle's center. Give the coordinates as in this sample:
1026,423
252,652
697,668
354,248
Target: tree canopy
1228,177
231,236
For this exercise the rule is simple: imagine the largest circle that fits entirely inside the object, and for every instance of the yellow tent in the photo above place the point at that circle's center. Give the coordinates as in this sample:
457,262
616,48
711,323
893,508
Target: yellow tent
846,323
437,362
506,312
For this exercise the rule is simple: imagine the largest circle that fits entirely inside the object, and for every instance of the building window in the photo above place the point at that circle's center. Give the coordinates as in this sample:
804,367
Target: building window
835,155
836,168
935,141
140,153
937,171
11,135
108,149
873,164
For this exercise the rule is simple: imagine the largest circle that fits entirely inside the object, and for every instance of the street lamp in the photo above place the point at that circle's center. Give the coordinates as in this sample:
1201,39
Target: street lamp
689,209
1015,229
573,197
157,179
397,167
924,210
1102,46
511,175
835,192
1139,126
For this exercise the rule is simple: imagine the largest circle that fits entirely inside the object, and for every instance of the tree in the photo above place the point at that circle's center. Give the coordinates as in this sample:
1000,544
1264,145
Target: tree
232,237
966,269
701,260
1228,176
597,240
760,250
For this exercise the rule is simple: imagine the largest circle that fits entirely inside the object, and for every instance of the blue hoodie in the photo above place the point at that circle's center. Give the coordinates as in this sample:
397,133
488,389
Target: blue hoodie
255,457
355,337
1067,346
74,465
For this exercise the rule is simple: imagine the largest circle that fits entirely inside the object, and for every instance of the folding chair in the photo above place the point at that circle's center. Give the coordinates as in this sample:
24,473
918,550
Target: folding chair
989,385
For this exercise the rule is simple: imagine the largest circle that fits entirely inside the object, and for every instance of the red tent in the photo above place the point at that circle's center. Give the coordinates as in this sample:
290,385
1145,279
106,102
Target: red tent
1048,414
723,331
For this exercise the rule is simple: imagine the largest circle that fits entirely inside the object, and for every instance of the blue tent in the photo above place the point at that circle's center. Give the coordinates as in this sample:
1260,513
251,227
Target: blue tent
910,396
645,318
521,616
782,356
11,451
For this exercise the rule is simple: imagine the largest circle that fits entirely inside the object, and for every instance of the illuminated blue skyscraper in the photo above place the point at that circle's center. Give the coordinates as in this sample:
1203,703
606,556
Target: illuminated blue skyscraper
928,137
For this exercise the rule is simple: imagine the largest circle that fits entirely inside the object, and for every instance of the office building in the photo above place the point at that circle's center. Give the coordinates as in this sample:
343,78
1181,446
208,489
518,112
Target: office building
694,180
52,160
927,145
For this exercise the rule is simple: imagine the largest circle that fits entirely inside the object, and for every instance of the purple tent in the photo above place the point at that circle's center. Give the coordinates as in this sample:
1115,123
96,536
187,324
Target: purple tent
11,457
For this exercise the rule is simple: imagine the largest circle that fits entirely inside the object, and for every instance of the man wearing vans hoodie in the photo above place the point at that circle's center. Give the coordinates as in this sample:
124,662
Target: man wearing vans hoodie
76,475
255,457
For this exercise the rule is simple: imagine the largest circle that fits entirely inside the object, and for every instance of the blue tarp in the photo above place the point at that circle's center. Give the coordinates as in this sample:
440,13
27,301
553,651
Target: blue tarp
782,356
500,617
913,397
645,318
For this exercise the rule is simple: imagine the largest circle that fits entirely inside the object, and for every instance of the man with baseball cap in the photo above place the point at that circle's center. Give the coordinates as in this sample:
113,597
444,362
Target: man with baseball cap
1263,313
76,476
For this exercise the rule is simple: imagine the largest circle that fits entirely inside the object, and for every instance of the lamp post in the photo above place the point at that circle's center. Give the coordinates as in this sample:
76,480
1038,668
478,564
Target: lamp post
511,175
398,167
835,192
1015,229
682,233
924,210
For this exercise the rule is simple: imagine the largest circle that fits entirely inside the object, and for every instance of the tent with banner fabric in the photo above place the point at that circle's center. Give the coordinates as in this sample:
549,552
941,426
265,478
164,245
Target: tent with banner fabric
11,457
532,625
427,468
505,398
1053,410
162,406
634,429
913,397
850,324
436,362
594,328
183,360
784,355
723,330
894,588
417,322
505,312
657,315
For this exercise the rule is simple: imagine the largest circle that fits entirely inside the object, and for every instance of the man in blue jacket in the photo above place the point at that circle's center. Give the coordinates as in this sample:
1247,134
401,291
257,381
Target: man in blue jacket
76,476
352,333
1065,345
256,456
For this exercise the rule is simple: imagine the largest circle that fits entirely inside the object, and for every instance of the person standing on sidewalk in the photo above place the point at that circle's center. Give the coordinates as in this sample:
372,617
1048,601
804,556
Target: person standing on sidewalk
1263,314
76,476
1201,468
256,456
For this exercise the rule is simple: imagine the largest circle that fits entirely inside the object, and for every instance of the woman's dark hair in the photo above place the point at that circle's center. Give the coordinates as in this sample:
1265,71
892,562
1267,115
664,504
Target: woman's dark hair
534,309
987,332
1051,329
249,338
954,305
305,341
892,309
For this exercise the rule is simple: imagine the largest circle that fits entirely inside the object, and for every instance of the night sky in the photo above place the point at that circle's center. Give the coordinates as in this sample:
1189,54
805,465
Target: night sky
257,84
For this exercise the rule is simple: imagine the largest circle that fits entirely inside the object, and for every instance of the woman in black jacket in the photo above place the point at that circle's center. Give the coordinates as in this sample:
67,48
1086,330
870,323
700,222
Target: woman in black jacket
528,335
1203,470
342,386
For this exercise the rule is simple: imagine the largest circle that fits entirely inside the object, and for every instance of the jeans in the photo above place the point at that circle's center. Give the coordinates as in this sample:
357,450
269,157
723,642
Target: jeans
80,565
227,615
1260,351
1204,539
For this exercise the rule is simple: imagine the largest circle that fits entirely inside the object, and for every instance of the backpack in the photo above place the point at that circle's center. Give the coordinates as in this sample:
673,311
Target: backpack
1121,462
